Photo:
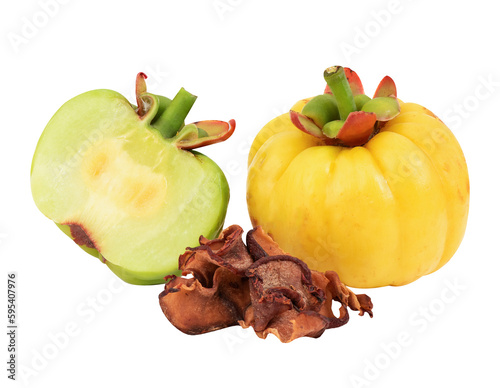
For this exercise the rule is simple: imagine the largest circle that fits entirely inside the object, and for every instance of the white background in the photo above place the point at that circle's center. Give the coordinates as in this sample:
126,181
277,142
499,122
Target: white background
80,326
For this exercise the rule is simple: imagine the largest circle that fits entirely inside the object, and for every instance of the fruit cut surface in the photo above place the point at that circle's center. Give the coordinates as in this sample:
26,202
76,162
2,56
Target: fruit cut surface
139,200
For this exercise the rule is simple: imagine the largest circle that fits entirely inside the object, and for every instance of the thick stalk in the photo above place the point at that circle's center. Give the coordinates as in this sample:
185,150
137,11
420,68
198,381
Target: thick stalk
172,119
337,81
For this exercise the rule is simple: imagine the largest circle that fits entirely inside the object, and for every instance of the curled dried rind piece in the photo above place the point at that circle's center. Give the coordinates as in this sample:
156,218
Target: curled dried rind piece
291,325
195,309
228,250
257,286
260,244
356,302
278,284
217,295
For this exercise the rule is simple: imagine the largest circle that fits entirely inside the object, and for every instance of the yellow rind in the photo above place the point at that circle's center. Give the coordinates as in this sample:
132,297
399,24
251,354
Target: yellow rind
383,214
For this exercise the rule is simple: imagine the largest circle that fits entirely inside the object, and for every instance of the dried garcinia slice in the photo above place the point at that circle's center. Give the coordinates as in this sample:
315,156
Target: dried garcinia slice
256,285
217,294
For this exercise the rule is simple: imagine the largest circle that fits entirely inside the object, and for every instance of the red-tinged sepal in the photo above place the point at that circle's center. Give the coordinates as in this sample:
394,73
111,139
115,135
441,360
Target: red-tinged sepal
354,82
305,124
203,133
140,89
359,117
357,129
386,88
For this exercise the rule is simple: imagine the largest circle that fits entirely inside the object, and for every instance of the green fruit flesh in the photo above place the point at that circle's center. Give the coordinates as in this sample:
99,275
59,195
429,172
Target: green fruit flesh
140,200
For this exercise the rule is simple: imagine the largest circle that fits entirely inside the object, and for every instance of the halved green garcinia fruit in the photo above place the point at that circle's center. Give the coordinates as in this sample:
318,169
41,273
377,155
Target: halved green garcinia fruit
122,181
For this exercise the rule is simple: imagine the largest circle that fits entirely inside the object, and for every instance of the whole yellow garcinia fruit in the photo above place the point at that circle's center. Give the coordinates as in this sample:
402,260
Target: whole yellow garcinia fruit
374,189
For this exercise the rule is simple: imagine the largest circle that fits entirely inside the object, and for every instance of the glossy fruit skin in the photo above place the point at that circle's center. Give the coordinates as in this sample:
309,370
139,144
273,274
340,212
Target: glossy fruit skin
385,213
69,189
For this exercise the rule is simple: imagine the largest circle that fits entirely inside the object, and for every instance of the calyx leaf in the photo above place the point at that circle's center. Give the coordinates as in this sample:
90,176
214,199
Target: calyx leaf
386,108
357,129
305,124
386,88
203,133
359,114
167,116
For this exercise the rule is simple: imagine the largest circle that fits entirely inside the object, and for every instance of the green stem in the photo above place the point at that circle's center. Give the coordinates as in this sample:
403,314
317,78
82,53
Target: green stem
172,119
337,81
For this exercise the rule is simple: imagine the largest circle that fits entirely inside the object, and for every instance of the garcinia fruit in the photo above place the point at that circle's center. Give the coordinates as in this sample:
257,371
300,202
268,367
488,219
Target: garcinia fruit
379,194
123,182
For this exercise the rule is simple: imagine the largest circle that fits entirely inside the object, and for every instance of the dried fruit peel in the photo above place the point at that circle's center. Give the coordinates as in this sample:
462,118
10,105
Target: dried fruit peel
259,286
